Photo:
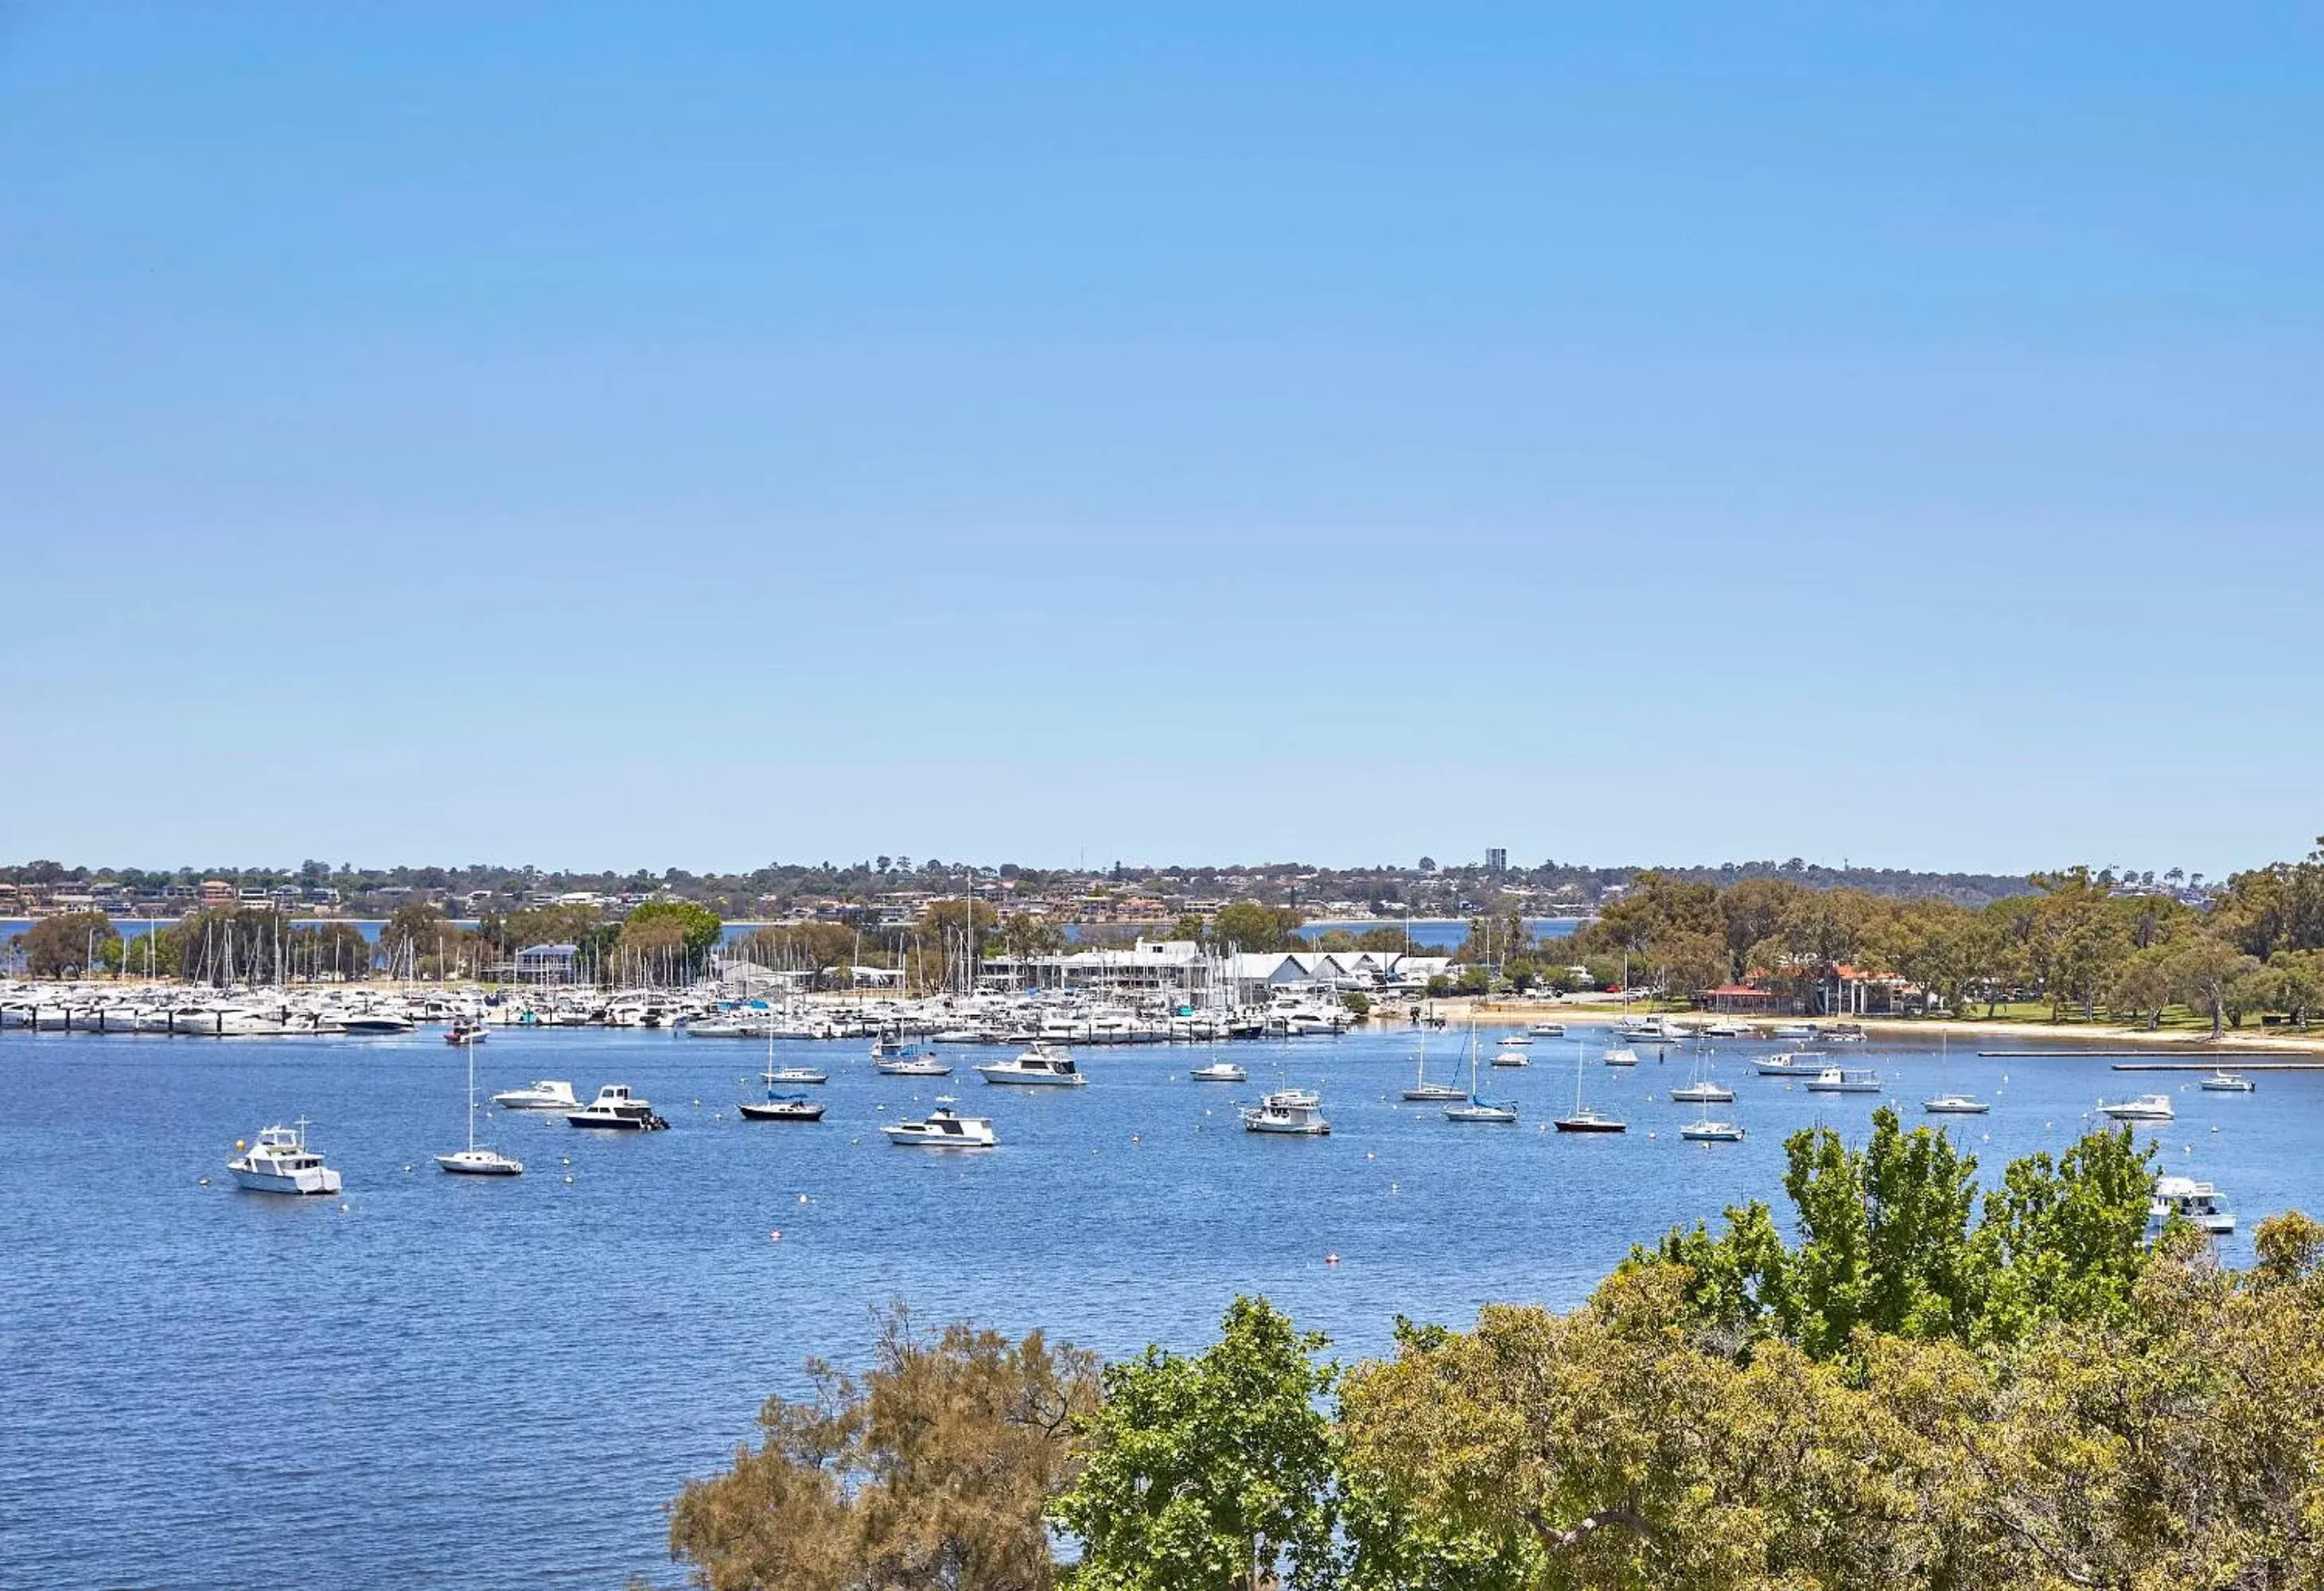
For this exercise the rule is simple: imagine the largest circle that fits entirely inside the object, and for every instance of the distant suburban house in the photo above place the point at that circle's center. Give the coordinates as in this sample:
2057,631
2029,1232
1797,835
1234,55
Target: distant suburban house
548,964
1746,999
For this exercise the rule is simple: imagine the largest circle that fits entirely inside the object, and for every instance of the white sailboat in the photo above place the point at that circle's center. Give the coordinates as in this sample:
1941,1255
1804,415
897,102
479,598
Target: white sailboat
1947,1102
475,1161
1478,1109
1426,1092
1582,1120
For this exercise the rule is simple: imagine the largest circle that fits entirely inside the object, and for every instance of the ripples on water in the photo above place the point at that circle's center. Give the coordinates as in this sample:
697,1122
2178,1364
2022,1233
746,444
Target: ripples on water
482,1382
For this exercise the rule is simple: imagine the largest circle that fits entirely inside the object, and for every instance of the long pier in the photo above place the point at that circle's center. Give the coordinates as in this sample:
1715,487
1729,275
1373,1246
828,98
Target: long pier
2240,1066
2078,1055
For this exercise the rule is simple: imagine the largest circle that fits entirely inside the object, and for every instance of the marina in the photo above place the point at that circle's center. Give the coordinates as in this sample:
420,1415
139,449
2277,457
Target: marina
537,1282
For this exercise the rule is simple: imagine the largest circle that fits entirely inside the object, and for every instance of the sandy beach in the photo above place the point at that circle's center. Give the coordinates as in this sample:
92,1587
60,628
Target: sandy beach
1993,1035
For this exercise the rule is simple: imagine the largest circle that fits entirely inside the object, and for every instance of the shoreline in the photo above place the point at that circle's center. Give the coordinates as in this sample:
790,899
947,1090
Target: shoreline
2034,1035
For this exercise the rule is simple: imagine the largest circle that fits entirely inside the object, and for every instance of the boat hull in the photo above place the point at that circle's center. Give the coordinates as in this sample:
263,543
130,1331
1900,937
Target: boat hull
774,1113
321,1179
1008,1078
462,1166
1592,1127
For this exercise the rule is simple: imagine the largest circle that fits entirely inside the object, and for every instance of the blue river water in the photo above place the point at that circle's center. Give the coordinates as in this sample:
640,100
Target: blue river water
440,1381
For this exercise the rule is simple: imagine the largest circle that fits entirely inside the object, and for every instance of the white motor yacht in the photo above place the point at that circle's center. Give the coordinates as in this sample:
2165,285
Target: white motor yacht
1844,1079
1298,1112
281,1163
1728,1027
615,1109
2229,1083
1621,1057
1507,1057
2197,1203
945,1128
1705,1092
1791,1064
909,1061
1038,1067
1547,1030
548,1094
1225,1071
2145,1108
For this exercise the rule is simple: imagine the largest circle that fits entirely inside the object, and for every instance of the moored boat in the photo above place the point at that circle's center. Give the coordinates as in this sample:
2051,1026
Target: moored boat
546,1094
1038,1067
943,1128
1294,1112
616,1110
280,1161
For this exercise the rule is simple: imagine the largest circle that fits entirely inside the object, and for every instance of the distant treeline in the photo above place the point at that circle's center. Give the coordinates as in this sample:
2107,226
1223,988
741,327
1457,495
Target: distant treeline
1423,888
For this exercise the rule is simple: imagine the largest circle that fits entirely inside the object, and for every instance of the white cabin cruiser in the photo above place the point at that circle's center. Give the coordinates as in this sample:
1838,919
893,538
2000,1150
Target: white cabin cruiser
546,1094
1844,1079
1225,1071
281,1163
1298,1112
2229,1083
2145,1108
945,1128
1792,1063
1038,1067
1956,1105
2197,1203
616,1110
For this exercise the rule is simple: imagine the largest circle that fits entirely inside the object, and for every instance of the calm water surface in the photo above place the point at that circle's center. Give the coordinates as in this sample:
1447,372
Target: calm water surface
459,1381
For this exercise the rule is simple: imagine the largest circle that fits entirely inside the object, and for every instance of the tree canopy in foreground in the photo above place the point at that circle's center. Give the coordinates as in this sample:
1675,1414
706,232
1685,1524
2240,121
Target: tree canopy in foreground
1923,1389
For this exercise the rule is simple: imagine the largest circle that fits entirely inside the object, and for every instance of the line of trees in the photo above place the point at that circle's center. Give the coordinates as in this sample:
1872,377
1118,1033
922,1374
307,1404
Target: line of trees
2080,945
1929,1387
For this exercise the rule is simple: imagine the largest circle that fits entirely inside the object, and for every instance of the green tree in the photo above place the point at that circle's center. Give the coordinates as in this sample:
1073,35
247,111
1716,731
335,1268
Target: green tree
2299,987
1206,1474
930,1473
697,929
71,944
2203,970
1248,925
1025,936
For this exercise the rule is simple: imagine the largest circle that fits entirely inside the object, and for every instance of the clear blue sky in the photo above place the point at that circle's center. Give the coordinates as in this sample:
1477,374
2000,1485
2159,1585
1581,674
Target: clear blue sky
695,435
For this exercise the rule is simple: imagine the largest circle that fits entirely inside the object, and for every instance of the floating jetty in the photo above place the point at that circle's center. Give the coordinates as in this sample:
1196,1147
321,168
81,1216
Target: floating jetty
2081,1054
2317,1065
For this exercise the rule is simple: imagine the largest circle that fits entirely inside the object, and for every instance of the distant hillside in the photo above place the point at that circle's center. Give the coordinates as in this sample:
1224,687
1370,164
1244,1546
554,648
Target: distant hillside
1968,889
